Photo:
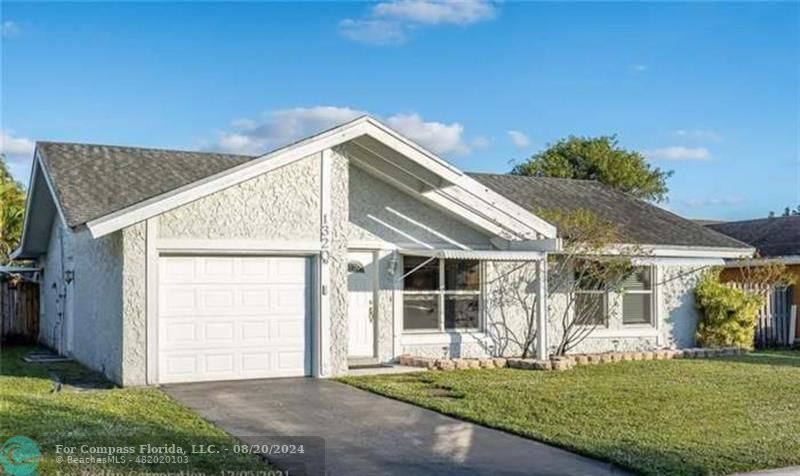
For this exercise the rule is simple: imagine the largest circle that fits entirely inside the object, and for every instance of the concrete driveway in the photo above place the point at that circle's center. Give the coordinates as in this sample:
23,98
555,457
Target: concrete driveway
366,434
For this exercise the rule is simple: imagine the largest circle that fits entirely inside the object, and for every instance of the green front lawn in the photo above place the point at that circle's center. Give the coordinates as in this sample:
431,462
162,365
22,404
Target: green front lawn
714,416
105,417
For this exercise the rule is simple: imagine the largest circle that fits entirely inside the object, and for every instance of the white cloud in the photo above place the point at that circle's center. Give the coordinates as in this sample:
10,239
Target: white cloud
714,202
427,12
15,148
390,23
699,134
519,139
639,68
10,29
679,153
436,136
373,31
281,127
18,152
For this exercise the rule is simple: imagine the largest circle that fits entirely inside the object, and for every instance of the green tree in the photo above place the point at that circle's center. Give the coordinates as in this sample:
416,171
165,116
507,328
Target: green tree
12,211
601,159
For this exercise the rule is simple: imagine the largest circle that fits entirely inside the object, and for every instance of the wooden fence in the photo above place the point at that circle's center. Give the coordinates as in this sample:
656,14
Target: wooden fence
19,311
777,319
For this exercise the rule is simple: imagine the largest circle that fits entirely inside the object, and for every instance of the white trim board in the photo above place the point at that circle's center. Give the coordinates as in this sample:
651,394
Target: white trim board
492,203
38,164
787,260
243,246
676,251
676,261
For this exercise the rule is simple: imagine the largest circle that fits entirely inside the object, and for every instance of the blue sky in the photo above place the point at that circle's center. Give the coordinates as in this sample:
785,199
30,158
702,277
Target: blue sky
711,91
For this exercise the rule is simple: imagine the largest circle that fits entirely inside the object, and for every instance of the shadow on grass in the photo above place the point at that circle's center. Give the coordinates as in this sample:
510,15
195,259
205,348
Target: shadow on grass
106,417
55,421
71,374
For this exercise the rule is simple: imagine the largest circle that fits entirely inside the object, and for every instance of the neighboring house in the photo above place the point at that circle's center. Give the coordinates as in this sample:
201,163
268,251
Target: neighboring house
350,247
776,239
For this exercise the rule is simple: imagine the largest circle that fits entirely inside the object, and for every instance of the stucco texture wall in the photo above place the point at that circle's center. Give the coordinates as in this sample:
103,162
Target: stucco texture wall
52,303
675,325
283,204
134,305
97,305
676,303
380,212
510,301
338,264
280,205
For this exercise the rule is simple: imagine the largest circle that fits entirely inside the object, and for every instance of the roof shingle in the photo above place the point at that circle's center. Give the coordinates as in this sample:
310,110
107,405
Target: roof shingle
772,237
92,181
638,221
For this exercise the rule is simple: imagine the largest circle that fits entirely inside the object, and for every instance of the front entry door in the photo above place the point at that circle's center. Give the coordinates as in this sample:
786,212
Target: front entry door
361,285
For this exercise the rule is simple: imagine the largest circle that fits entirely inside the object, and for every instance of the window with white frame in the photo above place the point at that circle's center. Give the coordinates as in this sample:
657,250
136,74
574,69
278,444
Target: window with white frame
637,296
441,294
590,304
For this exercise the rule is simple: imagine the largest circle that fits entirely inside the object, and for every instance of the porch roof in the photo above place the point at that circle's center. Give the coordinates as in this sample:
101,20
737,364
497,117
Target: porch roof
483,255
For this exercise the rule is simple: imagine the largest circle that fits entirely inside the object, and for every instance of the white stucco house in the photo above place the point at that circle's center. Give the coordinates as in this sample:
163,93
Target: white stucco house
350,247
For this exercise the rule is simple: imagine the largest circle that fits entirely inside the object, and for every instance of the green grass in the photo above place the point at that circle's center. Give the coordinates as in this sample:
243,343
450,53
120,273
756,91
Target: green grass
714,416
105,417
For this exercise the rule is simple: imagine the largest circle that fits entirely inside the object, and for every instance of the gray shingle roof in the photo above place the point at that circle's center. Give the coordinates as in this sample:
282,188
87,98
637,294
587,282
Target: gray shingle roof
94,180
778,236
639,222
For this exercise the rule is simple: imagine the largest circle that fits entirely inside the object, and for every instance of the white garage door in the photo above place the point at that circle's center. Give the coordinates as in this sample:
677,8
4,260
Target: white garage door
226,318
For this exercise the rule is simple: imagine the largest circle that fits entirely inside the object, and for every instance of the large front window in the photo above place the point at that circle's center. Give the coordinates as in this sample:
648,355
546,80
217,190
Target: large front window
440,294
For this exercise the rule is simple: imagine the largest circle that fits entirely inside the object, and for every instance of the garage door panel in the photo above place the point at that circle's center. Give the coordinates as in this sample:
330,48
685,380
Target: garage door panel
217,269
176,300
176,270
220,333
255,270
224,318
180,332
256,362
254,332
255,298
288,271
181,365
289,329
220,363
289,360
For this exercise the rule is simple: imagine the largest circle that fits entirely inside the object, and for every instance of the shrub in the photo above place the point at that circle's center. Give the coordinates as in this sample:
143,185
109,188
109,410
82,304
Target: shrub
728,315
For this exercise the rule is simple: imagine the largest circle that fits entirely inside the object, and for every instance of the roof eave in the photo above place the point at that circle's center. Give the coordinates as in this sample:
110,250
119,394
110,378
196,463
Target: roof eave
684,251
365,125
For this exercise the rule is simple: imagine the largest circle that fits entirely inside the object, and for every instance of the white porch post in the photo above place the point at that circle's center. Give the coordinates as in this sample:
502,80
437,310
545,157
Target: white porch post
541,311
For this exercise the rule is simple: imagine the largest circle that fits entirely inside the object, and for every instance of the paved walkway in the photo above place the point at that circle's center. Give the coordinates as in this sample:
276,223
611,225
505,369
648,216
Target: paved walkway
366,434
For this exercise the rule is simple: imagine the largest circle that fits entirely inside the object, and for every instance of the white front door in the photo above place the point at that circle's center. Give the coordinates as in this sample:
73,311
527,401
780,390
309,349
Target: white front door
232,317
361,285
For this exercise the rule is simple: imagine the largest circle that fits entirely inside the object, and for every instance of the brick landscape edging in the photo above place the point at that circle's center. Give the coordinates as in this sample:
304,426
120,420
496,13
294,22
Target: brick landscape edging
567,362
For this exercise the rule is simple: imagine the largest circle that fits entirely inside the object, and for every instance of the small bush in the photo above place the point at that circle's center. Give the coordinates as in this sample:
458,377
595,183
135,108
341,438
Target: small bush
728,314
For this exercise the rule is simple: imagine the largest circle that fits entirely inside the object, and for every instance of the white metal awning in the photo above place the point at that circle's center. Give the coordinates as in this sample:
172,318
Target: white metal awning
483,255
